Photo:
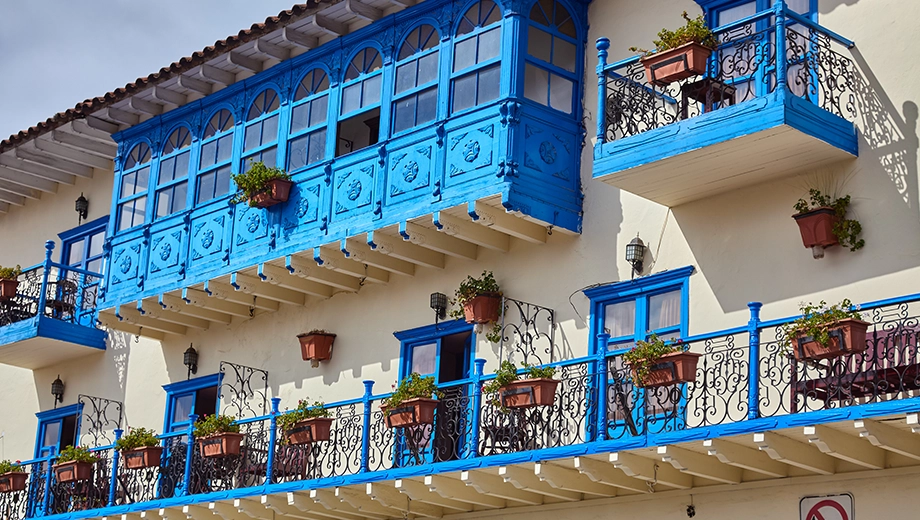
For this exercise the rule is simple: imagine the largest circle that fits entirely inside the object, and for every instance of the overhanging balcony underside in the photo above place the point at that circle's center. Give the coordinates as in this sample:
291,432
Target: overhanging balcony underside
42,341
257,287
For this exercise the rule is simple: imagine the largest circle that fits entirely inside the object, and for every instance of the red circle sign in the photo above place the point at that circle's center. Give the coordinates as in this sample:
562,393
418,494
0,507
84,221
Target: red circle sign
815,513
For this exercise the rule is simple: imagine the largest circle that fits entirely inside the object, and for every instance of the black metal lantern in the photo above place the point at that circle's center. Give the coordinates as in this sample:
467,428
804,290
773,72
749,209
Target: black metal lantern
438,303
635,254
190,360
82,207
57,390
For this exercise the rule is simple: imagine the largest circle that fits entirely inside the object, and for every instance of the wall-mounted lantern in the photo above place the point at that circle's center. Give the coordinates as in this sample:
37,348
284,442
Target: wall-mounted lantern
635,254
57,390
81,206
190,360
438,303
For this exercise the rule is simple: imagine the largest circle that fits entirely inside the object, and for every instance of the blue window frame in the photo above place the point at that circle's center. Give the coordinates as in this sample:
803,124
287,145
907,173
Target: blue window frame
173,173
132,193
551,66
57,429
416,85
476,72
214,165
81,246
309,116
359,113
629,312
198,396
260,134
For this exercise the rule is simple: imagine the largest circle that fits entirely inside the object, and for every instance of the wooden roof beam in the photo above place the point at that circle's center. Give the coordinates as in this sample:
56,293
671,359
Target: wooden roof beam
224,291
420,493
243,62
254,286
145,107
494,486
18,189
397,248
571,480
889,438
73,155
151,308
175,304
354,249
13,162
90,145
299,39
604,473
436,241
214,75
846,447
281,277
330,27
4,207
123,116
164,95
196,299
308,269
388,496
363,10
135,317
745,458
527,481
271,51
12,198
193,84
499,219
453,488
95,127
794,453
699,465
649,470
332,259
471,232
35,156
29,181
331,505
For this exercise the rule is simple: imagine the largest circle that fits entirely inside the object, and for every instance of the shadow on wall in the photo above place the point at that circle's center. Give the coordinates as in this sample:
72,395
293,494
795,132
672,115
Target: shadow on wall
828,6
755,240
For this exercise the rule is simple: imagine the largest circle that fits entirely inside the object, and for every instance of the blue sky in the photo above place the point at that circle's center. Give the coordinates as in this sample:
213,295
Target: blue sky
56,53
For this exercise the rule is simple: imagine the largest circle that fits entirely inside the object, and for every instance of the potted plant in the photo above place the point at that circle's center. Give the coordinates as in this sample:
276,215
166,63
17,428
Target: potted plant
824,332
262,186
8,282
411,403
822,223
679,54
536,388
140,449
12,477
480,301
218,435
316,346
306,424
660,363
75,463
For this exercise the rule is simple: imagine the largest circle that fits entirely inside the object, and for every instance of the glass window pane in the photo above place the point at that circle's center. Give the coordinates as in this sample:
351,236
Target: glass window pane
564,54
489,85
799,6
94,266
224,148
205,187
164,199
75,256
464,92
427,106
181,165
560,93
351,98
664,310
297,157
208,153
222,181
167,170
268,157
536,83
736,13
300,117
95,244
372,90
405,76
620,319
317,147
182,408
52,434
465,54
318,110
489,44
270,130
423,358
405,114
252,137
428,69
540,44
142,177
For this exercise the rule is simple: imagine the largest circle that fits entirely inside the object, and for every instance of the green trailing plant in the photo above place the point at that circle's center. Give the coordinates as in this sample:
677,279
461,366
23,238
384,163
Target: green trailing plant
695,30
10,273
137,438
215,424
255,180
77,454
507,373
412,387
10,467
471,288
304,411
817,320
846,230
646,354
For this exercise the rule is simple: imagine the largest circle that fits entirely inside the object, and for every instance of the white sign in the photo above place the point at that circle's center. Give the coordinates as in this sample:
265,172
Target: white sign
830,507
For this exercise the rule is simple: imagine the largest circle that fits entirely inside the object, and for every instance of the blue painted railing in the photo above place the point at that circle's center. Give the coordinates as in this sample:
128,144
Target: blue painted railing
775,47
746,382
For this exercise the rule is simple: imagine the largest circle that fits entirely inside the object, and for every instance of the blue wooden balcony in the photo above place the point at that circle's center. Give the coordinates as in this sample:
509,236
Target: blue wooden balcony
779,98
753,412
52,317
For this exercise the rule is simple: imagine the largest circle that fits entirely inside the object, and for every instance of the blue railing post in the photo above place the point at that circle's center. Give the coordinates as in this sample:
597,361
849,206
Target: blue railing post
366,437
476,413
754,361
113,479
272,441
602,45
600,396
189,452
46,272
779,9
49,474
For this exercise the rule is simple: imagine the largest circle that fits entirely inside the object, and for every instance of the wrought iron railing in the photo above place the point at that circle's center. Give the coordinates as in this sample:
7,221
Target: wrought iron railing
55,291
747,64
744,374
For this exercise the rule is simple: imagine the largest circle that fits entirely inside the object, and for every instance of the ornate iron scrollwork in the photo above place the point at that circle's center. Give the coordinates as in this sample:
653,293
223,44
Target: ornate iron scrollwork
243,390
529,331
99,420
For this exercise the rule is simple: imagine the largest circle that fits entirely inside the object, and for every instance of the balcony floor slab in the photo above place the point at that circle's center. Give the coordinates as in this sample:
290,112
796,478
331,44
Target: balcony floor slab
43,341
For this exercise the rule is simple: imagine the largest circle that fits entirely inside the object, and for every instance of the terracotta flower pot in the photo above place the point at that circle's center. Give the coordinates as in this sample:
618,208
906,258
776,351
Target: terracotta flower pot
527,393
666,67
140,458
817,227
8,289
316,347
317,429
221,445
413,412
13,481
277,192
73,471
670,369
484,308
847,337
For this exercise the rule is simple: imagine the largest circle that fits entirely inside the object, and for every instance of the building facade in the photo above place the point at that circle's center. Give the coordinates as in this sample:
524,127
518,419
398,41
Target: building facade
435,140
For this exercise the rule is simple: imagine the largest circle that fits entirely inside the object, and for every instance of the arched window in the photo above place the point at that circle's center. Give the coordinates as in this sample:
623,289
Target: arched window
260,140
552,56
359,124
216,154
132,194
172,179
308,121
476,74
416,89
